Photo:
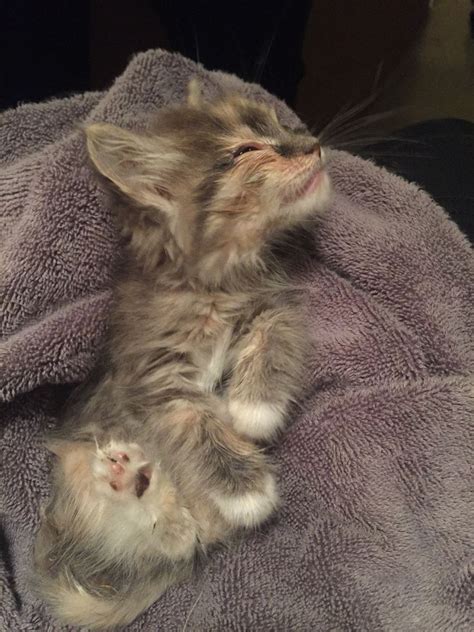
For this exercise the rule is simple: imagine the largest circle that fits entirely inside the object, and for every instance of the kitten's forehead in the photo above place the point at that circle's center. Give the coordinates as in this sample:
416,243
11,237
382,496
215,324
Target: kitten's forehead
238,111
228,116
259,119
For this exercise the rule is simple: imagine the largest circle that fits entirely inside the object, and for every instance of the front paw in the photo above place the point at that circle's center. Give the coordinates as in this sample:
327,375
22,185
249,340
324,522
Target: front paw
257,420
251,508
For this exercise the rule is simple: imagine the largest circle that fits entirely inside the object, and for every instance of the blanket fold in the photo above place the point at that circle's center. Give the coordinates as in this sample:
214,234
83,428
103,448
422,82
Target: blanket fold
375,470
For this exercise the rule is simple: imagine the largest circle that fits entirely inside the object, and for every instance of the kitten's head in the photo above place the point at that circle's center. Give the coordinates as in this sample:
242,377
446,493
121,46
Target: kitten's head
219,179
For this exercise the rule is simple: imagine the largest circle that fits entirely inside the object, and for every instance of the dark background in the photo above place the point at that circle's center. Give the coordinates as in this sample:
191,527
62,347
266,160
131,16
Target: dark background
57,47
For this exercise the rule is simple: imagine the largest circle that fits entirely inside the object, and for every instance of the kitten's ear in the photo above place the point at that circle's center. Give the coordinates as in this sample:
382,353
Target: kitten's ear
134,163
194,93
65,447
273,114
59,447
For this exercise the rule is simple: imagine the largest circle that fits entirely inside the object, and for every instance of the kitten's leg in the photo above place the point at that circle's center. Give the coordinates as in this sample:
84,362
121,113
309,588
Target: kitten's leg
199,445
267,373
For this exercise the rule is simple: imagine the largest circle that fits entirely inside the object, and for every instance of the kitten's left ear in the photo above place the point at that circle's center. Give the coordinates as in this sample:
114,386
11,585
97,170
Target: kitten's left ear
194,93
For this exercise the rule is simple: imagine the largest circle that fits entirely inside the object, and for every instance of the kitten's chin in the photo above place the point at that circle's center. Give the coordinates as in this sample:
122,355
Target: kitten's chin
314,200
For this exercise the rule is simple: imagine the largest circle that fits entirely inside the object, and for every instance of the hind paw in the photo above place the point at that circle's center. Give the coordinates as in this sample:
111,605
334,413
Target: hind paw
123,468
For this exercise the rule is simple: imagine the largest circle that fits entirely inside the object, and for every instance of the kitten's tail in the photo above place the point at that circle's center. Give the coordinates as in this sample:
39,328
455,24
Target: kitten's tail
74,605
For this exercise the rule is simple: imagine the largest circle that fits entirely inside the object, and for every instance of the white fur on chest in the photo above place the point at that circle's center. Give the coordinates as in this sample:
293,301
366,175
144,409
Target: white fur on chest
212,361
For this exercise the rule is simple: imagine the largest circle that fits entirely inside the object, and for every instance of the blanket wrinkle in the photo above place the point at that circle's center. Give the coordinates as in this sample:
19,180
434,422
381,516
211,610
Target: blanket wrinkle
375,469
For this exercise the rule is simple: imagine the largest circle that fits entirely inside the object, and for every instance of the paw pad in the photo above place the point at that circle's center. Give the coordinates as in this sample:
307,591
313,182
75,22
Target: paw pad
124,468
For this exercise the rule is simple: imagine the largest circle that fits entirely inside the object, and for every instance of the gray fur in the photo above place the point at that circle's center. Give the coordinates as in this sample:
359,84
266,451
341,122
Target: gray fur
205,335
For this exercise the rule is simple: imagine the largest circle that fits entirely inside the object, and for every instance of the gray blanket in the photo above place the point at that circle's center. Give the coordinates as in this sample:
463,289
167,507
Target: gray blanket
375,532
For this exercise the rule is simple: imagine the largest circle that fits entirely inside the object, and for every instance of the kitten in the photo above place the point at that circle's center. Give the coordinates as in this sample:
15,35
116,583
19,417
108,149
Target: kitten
159,455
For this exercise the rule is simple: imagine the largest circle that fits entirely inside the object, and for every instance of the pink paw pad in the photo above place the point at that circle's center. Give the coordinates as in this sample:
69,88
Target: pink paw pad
118,461
126,470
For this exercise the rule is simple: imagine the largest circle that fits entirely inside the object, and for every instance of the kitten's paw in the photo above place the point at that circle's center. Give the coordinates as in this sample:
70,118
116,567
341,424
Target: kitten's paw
249,509
123,468
257,420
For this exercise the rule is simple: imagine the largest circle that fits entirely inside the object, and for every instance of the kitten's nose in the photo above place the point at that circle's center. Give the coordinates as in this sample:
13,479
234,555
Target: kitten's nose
314,148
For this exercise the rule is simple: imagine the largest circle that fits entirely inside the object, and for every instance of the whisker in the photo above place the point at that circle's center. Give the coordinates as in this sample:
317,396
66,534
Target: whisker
351,127
382,154
196,45
345,114
372,142
348,111
191,610
263,59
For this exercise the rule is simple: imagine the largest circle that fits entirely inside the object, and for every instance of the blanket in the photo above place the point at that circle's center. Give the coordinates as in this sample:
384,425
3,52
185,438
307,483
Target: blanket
375,532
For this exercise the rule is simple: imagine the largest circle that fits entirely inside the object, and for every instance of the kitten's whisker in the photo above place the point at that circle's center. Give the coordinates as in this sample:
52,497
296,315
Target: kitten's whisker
348,112
263,59
196,44
352,127
377,139
192,610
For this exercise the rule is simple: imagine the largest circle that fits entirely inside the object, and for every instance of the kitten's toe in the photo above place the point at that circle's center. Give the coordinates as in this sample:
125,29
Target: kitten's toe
250,508
124,468
117,464
257,420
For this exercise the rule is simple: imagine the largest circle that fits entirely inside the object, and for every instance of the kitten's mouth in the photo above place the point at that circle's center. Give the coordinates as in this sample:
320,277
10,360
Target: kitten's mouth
308,186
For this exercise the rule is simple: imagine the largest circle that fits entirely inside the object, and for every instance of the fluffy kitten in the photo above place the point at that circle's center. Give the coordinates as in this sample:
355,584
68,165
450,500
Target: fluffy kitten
159,454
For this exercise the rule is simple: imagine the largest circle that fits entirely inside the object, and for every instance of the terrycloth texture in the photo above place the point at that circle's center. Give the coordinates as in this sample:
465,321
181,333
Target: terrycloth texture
375,531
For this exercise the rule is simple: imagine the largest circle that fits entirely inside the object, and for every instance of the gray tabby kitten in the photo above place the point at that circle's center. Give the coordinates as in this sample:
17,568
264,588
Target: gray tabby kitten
159,454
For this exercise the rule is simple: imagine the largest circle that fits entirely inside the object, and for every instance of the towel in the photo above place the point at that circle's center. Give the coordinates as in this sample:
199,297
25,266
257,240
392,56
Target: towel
375,532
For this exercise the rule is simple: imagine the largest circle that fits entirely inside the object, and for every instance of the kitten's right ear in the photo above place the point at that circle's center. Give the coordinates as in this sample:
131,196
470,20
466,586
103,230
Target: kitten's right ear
62,448
194,93
59,447
136,164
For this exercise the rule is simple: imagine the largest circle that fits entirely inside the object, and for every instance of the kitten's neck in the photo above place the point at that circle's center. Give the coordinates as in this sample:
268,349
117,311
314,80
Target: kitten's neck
219,270
207,274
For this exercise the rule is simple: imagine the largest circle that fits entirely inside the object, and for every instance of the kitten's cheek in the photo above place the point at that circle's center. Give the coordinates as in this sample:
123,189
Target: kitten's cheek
324,189
257,420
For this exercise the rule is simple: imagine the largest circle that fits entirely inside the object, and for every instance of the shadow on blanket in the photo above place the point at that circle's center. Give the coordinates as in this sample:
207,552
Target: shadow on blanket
376,528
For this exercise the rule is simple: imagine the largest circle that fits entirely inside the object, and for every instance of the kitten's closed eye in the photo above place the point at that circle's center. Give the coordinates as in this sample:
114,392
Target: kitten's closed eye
243,149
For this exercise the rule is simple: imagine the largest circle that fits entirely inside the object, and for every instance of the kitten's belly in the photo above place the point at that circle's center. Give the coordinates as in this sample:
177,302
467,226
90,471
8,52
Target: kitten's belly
211,361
